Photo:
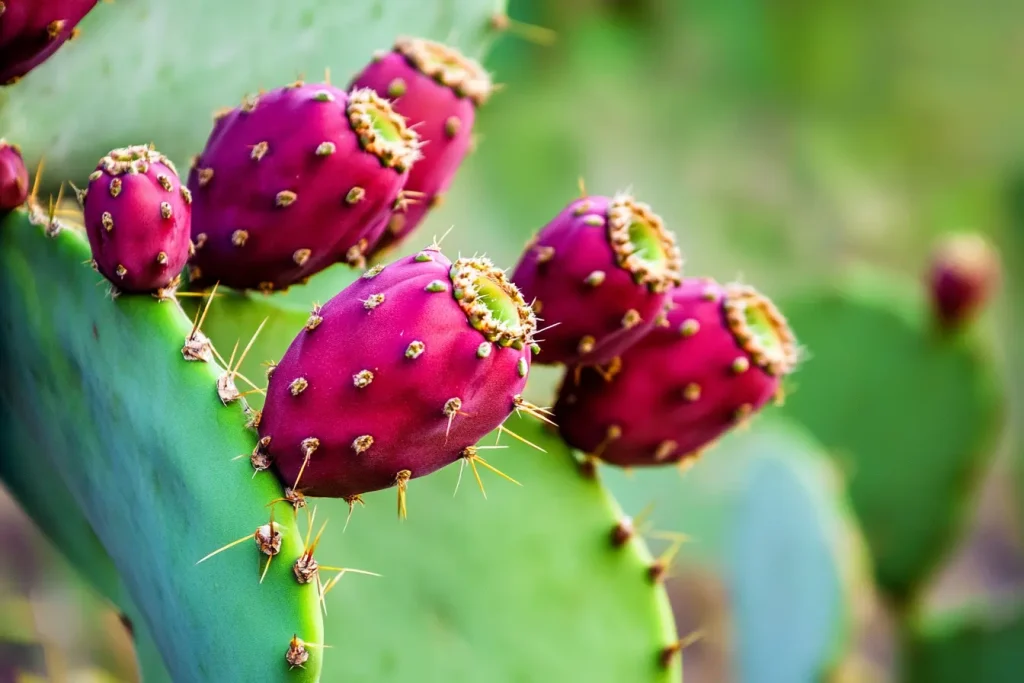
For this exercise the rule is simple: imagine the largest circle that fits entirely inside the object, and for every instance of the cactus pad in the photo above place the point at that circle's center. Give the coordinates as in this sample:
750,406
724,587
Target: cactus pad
437,89
910,415
711,363
598,273
982,641
159,493
765,512
294,180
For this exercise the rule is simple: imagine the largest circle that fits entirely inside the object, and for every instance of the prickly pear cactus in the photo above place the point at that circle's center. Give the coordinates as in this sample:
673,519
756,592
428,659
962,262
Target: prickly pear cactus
459,549
161,95
910,414
160,494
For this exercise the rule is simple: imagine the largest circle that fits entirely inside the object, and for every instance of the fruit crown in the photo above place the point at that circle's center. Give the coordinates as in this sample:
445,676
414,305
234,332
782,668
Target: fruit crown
658,274
446,65
133,159
760,329
369,113
492,303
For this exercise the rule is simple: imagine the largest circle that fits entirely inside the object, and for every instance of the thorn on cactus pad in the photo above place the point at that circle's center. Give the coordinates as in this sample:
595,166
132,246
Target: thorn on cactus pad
268,542
670,652
298,385
361,444
297,654
355,195
415,349
622,532
373,301
539,35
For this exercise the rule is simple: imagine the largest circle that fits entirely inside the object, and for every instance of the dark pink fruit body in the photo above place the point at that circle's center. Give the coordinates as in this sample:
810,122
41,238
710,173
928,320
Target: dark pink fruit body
13,177
963,273
593,303
437,90
392,375
32,30
137,217
684,384
286,187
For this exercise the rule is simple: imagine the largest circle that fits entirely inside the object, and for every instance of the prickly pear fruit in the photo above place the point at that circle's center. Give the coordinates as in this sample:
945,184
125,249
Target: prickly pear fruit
13,177
437,89
964,271
32,30
398,375
293,181
716,361
137,216
600,272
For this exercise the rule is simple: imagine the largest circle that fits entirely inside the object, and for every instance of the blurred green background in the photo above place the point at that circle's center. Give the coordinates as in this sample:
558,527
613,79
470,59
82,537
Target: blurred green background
782,141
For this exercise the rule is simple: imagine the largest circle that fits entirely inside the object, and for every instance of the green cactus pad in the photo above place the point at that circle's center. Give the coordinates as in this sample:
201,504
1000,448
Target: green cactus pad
47,500
96,382
794,558
763,508
155,71
978,642
910,415
523,585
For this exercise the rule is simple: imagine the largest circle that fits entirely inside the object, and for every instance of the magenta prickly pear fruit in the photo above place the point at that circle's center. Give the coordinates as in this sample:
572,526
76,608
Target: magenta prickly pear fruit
137,216
293,181
32,30
599,273
964,271
437,89
13,177
714,362
398,375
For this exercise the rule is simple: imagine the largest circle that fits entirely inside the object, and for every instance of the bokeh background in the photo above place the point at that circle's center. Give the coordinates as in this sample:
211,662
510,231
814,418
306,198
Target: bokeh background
783,141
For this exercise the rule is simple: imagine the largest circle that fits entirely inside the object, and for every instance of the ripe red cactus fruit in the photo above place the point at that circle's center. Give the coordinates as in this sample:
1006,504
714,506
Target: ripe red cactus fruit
963,273
437,89
32,30
716,360
398,375
295,180
13,177
137,216
599,276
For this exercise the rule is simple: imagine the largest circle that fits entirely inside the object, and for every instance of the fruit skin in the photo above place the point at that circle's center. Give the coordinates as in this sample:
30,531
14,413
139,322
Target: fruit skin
32,30
389,377
13,177
137,216
286,186
962,275
440,101
583,281
686,383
